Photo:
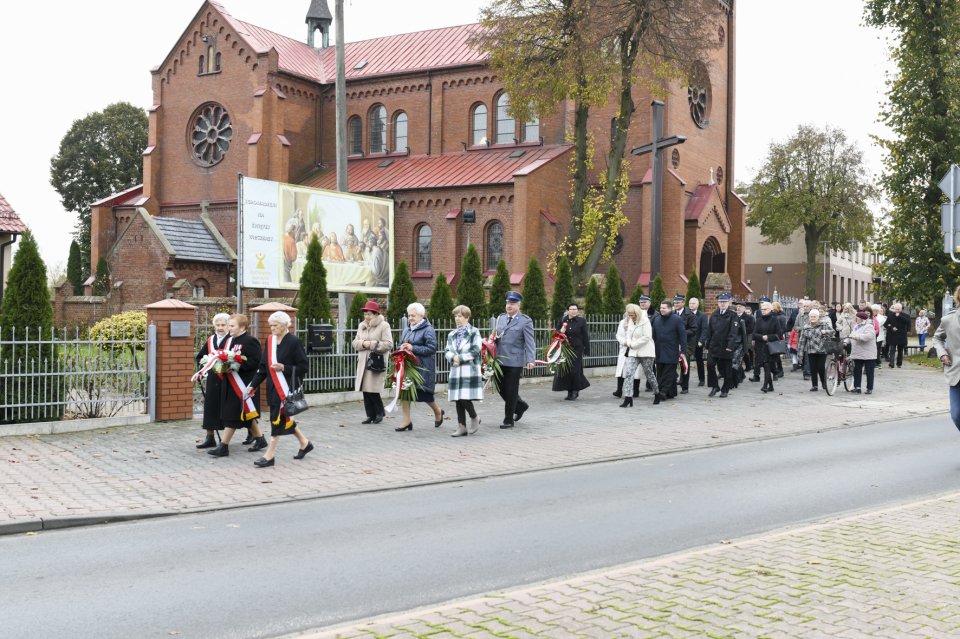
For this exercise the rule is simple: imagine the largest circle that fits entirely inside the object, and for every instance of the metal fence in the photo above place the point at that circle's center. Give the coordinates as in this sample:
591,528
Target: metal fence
53,374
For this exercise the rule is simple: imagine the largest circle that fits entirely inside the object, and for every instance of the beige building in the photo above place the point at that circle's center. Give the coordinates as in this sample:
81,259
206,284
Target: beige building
782,268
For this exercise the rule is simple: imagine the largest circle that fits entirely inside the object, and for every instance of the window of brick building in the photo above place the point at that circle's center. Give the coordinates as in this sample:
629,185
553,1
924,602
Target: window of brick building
355,133
211,131
378,129
494,245
531,130
478,125
506,131
200,288
210,60
400,131
424,248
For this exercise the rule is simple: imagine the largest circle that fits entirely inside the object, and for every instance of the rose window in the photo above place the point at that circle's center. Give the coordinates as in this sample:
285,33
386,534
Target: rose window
211,134
698,95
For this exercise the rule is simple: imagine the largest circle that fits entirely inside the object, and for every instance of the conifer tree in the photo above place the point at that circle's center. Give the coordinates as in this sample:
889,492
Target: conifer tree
314,303
75,269
563,290
593,304
441,302
499,289
635,296
534,293
657,294
101,283
693,287
26,298
470,291
402,294
613,293
355,314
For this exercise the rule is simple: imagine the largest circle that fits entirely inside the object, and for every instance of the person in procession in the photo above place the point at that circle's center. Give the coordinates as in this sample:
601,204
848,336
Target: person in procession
420,339
747,320
782,320
622,354
766,331
236,409
465,383
284,366
880,320
574,326
516,348
863,350
641,351
898,327
946,341
211,397
372,344
813,345
922,325
670,339
700,319
690,328
723,338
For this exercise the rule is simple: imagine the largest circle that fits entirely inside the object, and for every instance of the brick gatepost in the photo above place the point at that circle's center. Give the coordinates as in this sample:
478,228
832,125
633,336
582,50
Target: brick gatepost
715,284
176,361
260,316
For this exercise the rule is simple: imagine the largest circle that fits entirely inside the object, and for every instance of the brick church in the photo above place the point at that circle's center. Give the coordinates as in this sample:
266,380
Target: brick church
428,127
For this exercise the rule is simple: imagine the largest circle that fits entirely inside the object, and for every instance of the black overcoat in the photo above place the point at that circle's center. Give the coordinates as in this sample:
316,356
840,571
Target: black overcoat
670,338
291,354
211,397
724,334
902,323
579,338
230,405
769,326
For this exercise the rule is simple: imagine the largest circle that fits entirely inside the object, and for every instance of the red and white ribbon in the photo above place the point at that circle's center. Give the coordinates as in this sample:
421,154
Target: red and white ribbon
279,382
249,409
214,356
555,350
400,367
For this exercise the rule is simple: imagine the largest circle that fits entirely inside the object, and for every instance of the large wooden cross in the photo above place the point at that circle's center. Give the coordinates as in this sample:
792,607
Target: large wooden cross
656,147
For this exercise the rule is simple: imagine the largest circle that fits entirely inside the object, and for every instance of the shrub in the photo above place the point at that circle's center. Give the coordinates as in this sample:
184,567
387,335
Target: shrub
314,302
613,292
441,302
593,305
498,290
635,296
563,291
101,283
534,292
470,291
693,287
355,314
657,294
402,294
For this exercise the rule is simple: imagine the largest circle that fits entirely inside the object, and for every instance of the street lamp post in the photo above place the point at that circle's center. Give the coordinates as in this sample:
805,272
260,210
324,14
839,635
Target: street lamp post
769,270
825,245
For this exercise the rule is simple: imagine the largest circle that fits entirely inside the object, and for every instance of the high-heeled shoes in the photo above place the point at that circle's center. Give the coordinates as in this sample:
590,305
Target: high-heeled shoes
627,402
403,428
439,422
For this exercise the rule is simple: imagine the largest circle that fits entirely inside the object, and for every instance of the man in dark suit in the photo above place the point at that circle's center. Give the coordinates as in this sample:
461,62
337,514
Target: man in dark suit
723,338
898,327
670,338
513,332
696,347
691,329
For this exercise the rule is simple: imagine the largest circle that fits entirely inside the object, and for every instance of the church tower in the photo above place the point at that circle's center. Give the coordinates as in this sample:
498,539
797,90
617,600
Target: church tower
318,17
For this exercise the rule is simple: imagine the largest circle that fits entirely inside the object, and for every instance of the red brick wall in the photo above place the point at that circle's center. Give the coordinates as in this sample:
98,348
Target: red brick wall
175,362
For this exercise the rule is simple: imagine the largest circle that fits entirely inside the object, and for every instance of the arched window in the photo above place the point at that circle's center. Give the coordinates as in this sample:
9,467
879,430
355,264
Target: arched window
400,131
200,288
478,125
210,58
424,248
506,126
217,63
378,129
494,245
531,130
202,65
355,135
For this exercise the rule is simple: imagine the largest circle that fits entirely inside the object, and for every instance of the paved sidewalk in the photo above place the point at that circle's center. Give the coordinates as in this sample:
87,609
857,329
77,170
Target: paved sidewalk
891,574
67,479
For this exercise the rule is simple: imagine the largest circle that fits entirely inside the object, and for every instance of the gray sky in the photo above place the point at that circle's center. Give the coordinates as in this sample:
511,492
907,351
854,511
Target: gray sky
809,62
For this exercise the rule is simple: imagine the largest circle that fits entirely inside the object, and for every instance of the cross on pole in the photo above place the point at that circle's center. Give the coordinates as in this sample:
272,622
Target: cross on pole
656,146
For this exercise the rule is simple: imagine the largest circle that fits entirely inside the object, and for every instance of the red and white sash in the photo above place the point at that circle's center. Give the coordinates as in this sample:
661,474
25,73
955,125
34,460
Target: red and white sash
212,353
279,382
249,410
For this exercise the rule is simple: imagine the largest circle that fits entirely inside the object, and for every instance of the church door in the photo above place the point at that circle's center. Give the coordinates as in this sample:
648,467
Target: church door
711,259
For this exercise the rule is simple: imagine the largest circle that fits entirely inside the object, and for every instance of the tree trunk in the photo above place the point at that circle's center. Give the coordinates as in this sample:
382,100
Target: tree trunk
580,161
811,238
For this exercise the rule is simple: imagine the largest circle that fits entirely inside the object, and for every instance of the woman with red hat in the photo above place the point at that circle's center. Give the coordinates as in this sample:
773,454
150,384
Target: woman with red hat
372,343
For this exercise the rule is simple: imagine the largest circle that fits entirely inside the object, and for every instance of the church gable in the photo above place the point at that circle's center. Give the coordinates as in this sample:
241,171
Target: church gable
705,206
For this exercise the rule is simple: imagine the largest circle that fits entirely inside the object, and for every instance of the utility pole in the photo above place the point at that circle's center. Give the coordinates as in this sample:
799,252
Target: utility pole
343,303
825,245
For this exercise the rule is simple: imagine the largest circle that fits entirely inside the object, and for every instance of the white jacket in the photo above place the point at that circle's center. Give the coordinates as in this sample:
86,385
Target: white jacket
882,334
639,337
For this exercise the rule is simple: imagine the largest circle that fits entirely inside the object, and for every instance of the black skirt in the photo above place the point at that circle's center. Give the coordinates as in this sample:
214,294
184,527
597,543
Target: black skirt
280,424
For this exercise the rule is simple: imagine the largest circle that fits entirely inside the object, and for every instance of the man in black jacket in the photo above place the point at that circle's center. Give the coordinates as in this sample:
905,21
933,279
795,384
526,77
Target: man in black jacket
696,347
724,335
743,312
691,329
898,327
670,339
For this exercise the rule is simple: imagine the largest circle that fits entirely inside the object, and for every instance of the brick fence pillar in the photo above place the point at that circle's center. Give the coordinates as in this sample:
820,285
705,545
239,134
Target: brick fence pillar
260,316
175,358
715,284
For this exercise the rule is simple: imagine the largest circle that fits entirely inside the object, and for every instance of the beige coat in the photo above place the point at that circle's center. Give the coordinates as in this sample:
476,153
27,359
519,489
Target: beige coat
947,342
367,382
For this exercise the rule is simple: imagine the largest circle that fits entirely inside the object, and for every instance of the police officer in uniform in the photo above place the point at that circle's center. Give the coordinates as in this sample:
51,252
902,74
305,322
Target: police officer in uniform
513,332
724,335
691,329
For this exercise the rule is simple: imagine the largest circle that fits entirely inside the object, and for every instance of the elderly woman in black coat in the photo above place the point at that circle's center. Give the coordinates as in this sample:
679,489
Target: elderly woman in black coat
575,328
420,339
767,331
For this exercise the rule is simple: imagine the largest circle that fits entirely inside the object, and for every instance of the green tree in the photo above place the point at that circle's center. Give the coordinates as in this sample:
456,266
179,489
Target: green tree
657,294
441,302
593,303
402,294
101,154
101,283
26,297
613,292
499,289
563,291
314,302
635,296
355,314
470,291
923,114
693,287
534,292
817,182
75,269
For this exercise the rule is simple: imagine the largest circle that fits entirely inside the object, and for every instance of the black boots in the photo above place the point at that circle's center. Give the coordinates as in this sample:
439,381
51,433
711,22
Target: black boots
209,442
656,398
627,402
636,388
259,443
249,440
222,450
619,391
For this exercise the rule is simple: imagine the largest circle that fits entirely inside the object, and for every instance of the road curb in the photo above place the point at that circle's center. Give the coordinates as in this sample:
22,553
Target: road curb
60,523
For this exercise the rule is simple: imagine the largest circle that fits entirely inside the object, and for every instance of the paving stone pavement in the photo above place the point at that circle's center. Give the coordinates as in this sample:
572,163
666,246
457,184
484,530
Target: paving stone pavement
138,471
893,573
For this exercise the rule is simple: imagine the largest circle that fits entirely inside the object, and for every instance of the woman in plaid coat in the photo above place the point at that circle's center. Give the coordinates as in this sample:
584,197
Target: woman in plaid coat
465,382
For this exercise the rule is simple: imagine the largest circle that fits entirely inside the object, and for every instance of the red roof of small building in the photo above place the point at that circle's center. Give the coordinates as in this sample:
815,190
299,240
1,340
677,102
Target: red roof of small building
10,222
130,197
698,201
467,168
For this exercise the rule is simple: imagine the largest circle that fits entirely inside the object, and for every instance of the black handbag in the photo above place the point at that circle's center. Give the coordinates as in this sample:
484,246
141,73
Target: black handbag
295,403
376,363
777,348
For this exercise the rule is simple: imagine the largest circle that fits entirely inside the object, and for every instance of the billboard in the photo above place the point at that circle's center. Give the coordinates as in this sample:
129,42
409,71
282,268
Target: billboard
277,222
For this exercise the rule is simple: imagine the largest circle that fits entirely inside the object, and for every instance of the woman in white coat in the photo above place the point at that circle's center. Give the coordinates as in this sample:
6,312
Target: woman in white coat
641,351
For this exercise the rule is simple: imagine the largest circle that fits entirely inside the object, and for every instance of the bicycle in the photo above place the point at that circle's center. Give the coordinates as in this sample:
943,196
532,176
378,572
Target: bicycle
837,370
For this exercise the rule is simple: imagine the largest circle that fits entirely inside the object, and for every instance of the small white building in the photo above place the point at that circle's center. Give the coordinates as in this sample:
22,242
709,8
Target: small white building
11,226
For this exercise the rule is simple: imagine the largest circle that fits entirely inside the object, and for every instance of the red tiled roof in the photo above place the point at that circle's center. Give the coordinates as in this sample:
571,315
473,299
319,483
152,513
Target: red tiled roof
468,168
698,201
130,197
296,57
10,222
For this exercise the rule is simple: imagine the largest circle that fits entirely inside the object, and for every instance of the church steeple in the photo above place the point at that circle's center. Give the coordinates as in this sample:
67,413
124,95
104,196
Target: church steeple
318,17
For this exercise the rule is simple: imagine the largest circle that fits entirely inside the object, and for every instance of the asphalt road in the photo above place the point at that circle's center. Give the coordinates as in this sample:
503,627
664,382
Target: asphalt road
274,570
